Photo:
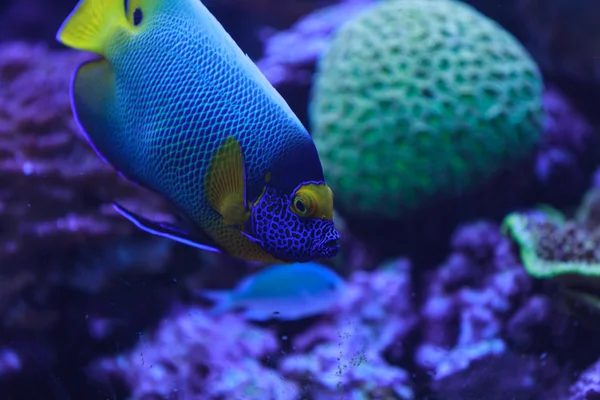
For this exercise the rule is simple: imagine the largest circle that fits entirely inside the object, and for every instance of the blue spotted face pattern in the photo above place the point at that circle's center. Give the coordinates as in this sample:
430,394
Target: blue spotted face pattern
288,236
169,89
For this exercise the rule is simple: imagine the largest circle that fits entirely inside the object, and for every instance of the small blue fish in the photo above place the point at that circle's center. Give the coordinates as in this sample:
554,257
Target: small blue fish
284,292
174,105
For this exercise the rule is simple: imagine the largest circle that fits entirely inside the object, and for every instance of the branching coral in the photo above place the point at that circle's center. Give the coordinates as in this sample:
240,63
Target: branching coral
587,386
348,354
195,356
476,288
474,301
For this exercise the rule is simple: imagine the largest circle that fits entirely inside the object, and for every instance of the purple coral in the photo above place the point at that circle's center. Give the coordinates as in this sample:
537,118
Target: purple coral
474,288
290,56
344,354
568,138
587,386
196,356
473,300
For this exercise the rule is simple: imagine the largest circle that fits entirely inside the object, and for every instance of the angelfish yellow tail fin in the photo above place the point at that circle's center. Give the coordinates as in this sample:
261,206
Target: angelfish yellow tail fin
91,25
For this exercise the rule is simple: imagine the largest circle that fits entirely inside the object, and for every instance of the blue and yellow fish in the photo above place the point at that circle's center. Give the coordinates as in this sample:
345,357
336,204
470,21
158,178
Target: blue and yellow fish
174,105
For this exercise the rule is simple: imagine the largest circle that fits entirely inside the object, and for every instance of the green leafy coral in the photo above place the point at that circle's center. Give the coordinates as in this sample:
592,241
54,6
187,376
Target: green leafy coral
551,246
564,251
420,99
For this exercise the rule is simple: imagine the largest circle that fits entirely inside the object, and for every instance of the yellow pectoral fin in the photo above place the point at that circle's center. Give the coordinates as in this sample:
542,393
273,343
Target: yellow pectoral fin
91,24
226,185
233,213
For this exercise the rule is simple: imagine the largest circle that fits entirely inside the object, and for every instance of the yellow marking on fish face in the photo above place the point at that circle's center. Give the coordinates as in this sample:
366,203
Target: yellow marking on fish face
314,200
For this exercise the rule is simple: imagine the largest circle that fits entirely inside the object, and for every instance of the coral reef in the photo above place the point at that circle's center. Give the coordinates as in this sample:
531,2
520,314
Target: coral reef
479,329
568,148
567,153
446,100
587,386
474,303
190,357
551,246
564,126
563,251
91,307
347,354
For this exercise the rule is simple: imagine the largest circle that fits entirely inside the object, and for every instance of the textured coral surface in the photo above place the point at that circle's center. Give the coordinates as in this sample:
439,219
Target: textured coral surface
418,99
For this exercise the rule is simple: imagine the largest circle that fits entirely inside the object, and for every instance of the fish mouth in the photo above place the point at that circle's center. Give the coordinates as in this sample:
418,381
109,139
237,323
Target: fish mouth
329,247
331,244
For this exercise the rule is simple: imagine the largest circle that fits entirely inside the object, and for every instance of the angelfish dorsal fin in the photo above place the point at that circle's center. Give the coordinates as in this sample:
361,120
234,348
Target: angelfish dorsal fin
91,25
226,183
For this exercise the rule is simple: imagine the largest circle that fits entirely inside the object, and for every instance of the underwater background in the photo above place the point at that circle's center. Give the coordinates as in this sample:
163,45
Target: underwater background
461,141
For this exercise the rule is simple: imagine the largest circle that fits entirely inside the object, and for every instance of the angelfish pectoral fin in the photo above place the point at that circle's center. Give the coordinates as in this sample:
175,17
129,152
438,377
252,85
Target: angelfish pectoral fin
226,183
169,231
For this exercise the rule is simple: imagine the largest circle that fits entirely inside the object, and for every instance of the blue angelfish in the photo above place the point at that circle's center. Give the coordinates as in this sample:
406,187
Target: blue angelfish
174,105
284,292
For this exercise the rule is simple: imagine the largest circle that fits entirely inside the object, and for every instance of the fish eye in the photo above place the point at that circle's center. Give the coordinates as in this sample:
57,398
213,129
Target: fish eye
137,16
303,205
300,205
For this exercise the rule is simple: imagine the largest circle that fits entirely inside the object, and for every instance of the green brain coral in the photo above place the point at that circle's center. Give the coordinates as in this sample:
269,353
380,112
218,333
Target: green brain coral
417,99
